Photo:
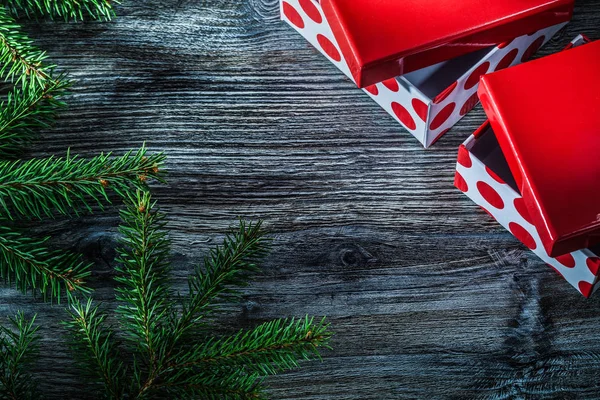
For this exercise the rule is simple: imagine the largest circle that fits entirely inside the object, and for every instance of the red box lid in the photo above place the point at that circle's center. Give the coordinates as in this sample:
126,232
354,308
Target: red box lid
387,38
546,116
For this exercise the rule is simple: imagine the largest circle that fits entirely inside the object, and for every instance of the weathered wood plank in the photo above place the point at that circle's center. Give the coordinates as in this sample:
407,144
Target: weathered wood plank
428,296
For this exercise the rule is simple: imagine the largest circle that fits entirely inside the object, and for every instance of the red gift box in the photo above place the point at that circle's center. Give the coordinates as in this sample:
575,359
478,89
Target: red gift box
386,38
428,101
535,164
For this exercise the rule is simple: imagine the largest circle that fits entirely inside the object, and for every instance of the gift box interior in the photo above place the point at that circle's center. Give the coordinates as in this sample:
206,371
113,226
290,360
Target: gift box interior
435,79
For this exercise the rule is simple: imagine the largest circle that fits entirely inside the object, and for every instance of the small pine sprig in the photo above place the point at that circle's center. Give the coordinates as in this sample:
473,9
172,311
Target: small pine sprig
67,10
95,347
50,186
143,275
19,345
30,265
27,109
268,349
21,62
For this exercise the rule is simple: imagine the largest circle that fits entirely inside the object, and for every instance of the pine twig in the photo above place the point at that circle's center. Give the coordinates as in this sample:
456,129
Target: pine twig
74,10
266,350
20,61
144,277
44,187
31,265
96,348
19,345
27,109
226,268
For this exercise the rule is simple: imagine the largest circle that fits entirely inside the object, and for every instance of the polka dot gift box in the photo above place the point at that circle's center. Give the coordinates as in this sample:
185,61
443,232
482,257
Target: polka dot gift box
421,60
535,165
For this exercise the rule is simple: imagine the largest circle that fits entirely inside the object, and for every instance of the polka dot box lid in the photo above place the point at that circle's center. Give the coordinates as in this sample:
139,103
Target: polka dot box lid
387,38
546,117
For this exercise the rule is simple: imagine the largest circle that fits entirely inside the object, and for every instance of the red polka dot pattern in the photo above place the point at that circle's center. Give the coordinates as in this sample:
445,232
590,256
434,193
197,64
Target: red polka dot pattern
372,89
522,209
507,60
391,84
460,183
293,15
442,96
404,116
490,195
533,48
469,104
474,78
442,116
567,260
493,175
585,288
593,263
311,10
420,108
522,234
329,48
464,158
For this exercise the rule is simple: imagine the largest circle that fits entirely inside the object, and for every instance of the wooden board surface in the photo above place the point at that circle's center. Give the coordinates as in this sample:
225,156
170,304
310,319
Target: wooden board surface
429,297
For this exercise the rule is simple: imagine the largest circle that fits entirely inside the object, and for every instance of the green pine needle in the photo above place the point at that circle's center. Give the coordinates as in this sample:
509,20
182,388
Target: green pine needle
26,110
20,61
30,265
50,186
74,10
19,345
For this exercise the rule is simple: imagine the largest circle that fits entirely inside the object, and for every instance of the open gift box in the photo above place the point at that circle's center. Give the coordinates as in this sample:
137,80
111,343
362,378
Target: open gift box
421,60
535,165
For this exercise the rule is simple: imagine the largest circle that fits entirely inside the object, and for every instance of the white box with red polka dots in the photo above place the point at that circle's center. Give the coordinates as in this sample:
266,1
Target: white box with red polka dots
483,174
430,101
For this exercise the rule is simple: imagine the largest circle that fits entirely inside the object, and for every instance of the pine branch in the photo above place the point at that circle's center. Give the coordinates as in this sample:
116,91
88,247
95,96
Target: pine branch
266,350
96,348
19,346
144,277
226,267
20,61
44,187
31,265
27,109
75,10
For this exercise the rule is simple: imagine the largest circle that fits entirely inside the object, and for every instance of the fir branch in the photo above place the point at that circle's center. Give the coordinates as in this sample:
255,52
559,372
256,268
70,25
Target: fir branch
266,350
96,348
44,187
31,265
75,10
227,266
19,345
20,60
27,109
144,278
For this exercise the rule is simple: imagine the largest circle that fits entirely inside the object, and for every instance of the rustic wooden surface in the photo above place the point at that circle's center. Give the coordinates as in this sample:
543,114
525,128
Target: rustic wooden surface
429,297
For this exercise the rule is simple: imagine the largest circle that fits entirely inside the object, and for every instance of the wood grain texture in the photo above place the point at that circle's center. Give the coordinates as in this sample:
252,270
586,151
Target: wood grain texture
429,297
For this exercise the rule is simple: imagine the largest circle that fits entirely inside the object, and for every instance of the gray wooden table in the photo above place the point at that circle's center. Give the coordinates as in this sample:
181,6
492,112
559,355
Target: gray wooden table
428,296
